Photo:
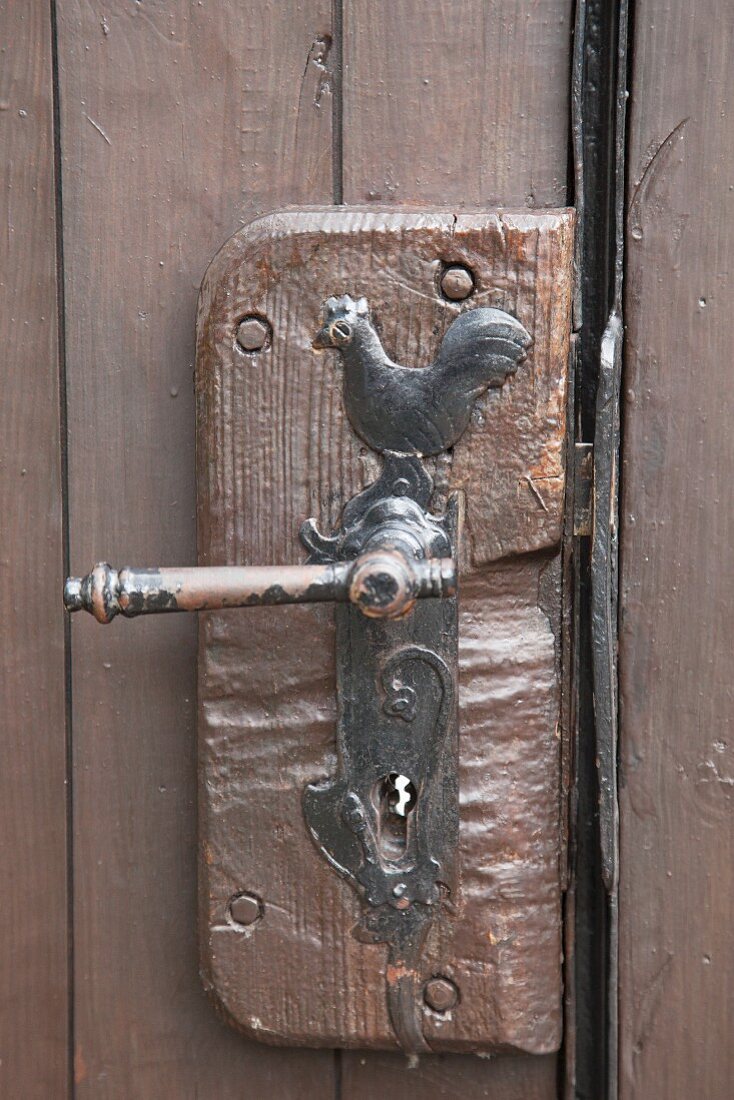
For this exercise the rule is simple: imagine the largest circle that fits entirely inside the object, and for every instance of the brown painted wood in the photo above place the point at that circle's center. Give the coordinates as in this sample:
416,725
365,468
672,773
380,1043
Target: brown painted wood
275,447
177,121
677,631
448,105
33,866
447,1077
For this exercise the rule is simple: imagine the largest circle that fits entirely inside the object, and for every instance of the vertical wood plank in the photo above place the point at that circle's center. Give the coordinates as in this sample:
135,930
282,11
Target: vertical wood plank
448,1077
455,104
33,913
179,122
447,103
677,631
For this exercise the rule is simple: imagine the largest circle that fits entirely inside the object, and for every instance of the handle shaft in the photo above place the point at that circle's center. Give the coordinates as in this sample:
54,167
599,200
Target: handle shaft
382,583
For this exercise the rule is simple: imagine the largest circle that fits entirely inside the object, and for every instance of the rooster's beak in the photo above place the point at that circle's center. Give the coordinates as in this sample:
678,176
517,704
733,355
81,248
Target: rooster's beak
323,339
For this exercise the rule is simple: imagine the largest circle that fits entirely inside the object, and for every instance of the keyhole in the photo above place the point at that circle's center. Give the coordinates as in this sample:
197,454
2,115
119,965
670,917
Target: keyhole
401,794
396,796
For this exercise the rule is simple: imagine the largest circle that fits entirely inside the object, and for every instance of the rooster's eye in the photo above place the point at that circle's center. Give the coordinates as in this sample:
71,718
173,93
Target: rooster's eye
341,333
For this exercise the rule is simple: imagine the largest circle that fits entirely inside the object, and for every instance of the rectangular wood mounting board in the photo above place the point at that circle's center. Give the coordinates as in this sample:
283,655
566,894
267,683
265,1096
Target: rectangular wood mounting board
274,447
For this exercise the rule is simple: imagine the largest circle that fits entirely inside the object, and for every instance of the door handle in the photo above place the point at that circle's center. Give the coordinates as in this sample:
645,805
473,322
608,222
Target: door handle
388,820
383,584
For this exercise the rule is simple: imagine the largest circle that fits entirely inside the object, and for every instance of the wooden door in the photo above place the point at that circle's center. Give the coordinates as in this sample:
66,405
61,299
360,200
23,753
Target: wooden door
676,761
137,136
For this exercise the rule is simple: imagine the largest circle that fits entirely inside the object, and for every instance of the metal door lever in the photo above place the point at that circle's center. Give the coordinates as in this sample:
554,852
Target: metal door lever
383,584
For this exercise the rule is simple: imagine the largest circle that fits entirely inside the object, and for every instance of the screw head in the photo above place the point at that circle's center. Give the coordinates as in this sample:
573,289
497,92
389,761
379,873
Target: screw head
457,283
440,994
253,333
245,909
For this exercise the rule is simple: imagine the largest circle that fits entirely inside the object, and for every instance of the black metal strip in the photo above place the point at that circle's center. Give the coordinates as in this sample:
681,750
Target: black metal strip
64,442
599,107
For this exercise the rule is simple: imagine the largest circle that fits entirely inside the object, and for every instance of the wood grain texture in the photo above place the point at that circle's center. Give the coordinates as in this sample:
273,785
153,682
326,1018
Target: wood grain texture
33,865
178,122
274,446
446,1077
461,105
677,632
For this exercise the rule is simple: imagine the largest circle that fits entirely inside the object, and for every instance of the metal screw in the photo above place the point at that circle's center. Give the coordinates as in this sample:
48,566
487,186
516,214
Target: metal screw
440,994
457,283
245,909
253,333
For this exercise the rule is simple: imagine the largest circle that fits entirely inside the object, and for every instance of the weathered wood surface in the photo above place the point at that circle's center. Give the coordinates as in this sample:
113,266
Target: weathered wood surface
444,1077
274,447
33,911
677,631
445,104
177,121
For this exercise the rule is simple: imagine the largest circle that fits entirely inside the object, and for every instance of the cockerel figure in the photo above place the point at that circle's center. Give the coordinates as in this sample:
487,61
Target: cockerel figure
419,412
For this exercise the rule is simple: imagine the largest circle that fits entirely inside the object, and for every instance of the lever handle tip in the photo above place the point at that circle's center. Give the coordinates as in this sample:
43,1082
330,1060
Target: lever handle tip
97,593
73,600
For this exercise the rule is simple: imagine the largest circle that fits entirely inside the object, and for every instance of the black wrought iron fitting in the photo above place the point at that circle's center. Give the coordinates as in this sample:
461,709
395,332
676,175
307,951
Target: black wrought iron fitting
388,820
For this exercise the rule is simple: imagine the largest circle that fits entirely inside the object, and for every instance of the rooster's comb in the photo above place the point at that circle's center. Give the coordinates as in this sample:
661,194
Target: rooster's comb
344,306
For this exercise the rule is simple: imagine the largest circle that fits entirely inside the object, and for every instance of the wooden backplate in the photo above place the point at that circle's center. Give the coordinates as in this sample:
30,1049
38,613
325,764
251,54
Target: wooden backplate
274,447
